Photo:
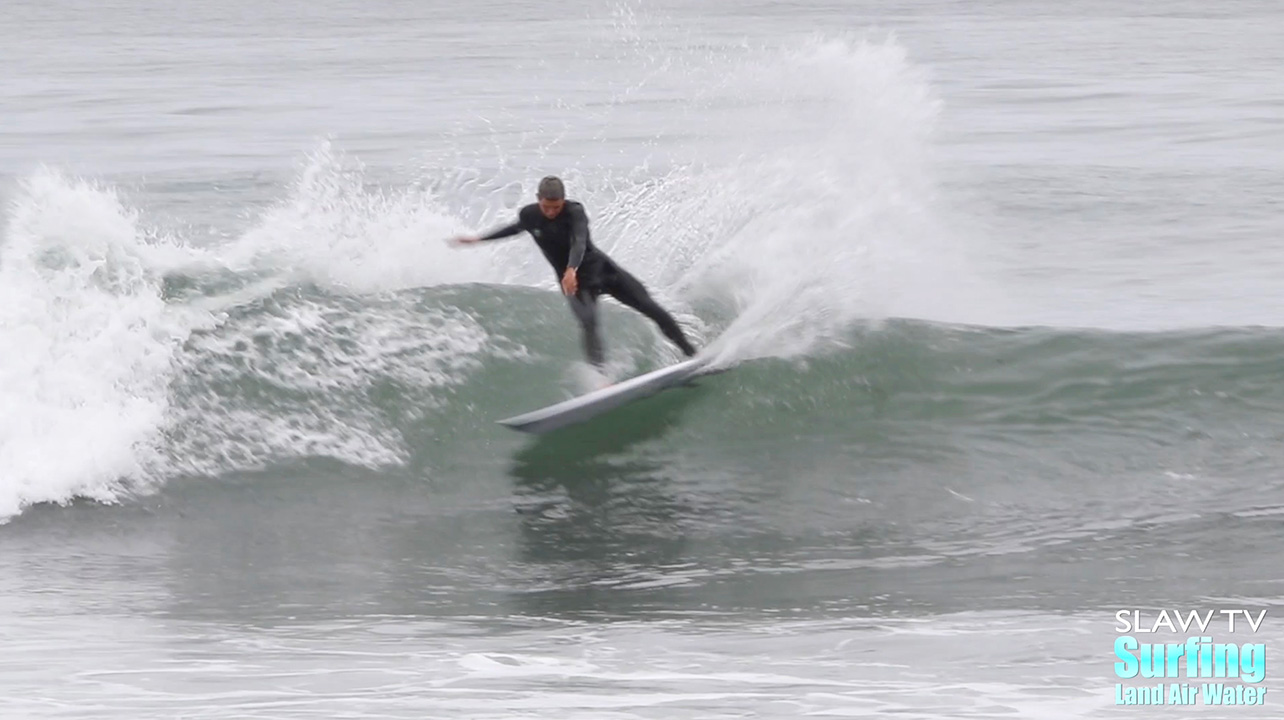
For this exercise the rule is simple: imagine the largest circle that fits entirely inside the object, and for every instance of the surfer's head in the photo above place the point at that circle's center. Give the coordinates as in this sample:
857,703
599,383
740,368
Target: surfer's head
551,196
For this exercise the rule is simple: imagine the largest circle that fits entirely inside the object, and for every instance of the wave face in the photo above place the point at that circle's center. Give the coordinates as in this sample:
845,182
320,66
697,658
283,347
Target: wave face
133,374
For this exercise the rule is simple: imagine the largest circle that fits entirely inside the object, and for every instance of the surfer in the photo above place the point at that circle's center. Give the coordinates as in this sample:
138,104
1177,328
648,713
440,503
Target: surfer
560,228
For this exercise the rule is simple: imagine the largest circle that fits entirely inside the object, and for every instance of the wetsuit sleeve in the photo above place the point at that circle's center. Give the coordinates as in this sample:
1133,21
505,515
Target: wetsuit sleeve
508,230
579,237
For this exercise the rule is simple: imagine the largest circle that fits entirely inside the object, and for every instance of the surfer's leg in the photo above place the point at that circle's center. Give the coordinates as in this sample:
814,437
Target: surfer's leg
584,305
629,290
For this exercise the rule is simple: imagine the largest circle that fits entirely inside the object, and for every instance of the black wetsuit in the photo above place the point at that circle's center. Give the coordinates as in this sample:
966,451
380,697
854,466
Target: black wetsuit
566,242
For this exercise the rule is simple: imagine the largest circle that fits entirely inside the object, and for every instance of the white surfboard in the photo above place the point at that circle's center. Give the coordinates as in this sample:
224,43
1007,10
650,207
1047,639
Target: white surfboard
579,409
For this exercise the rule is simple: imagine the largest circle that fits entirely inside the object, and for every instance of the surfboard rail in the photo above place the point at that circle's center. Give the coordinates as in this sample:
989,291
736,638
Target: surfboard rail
590,405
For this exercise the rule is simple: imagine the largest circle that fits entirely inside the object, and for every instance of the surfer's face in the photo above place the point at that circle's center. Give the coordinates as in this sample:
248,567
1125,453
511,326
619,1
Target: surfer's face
550,208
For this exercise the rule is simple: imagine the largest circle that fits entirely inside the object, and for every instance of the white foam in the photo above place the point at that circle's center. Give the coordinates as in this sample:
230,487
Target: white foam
314,367
336,230
95,351
89,344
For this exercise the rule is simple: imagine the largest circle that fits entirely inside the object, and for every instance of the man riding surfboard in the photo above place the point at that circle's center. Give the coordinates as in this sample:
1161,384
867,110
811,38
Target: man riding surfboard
560,228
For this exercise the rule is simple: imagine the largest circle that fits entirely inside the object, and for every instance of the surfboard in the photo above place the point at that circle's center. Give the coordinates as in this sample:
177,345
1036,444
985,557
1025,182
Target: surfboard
584,407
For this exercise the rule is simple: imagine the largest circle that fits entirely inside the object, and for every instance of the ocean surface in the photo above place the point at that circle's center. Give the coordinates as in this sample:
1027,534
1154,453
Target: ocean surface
998,288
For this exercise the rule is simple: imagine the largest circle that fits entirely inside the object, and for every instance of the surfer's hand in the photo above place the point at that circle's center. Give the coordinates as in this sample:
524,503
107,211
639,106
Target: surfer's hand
465,240
569,282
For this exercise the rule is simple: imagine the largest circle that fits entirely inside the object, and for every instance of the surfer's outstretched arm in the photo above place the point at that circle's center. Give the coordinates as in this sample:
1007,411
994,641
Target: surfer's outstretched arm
501,232
505,231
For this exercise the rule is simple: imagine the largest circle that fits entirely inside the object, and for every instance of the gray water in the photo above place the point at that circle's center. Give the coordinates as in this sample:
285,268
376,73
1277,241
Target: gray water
996,285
